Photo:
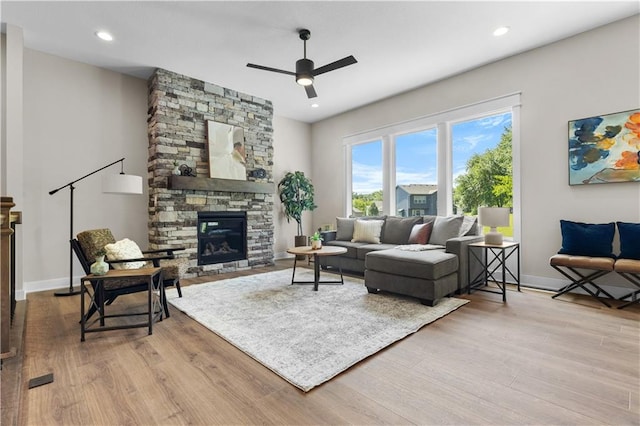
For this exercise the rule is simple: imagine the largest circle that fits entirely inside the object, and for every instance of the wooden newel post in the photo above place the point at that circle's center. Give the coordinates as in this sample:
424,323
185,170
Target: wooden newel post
5,278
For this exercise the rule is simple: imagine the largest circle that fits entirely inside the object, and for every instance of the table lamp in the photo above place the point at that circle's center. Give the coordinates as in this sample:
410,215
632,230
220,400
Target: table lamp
493,217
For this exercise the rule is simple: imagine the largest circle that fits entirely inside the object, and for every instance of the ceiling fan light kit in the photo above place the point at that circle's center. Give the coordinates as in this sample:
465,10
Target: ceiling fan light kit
305,71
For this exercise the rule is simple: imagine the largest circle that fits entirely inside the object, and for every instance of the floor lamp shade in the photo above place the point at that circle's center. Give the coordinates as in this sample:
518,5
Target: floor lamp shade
122,184
493,217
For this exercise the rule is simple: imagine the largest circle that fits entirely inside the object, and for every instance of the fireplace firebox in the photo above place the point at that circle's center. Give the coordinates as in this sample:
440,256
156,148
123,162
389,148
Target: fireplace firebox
222,237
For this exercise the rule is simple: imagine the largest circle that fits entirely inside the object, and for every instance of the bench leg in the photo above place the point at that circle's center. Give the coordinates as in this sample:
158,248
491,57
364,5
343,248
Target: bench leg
633,279
582,281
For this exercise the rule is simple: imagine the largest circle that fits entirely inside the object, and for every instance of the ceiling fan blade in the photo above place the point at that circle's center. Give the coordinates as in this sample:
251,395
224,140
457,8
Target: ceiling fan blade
311,92
260,67
349,60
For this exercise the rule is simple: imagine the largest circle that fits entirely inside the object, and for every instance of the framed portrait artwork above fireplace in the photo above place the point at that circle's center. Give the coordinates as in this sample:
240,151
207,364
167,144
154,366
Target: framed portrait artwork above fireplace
605,148
227,158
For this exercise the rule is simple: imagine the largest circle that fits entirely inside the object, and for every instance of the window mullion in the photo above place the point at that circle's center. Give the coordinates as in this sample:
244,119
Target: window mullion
445,166
389,175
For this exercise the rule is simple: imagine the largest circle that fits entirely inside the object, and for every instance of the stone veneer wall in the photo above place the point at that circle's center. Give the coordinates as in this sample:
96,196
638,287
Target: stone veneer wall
179,107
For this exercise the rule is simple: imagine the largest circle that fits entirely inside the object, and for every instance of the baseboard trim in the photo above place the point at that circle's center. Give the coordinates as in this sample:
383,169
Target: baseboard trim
46,285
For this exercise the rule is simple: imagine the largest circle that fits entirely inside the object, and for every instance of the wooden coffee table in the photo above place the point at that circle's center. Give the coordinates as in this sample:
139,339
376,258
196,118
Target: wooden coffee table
308,251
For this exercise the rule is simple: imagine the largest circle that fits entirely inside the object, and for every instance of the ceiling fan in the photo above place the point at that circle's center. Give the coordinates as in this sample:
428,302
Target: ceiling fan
304,67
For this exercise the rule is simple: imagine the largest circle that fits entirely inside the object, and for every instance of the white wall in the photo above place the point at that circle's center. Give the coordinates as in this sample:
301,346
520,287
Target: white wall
594,73
77,118
292,152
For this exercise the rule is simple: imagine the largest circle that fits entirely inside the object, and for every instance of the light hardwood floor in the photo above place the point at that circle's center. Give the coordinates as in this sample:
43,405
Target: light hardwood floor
533,360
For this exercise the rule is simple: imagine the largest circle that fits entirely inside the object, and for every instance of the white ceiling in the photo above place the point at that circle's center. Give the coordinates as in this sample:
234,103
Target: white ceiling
399,45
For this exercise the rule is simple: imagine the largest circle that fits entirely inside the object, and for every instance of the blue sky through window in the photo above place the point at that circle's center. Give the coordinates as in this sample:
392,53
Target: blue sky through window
475,137
416,160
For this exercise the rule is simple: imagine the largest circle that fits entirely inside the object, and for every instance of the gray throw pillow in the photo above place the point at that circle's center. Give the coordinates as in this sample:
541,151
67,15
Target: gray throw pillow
445,227
397,229
344,228
468,226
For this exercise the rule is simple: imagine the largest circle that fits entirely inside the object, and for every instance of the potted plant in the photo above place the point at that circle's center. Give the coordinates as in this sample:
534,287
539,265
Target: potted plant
316,241
296,195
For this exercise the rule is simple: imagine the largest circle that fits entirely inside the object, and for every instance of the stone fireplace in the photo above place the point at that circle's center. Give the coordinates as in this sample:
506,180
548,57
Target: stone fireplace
179,108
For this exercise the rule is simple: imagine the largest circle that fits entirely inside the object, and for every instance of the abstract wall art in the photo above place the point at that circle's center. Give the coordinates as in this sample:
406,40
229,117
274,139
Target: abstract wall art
226,151
605,148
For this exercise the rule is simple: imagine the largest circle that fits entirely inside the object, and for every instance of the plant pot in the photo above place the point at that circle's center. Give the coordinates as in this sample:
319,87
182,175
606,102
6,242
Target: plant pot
316,244
301,240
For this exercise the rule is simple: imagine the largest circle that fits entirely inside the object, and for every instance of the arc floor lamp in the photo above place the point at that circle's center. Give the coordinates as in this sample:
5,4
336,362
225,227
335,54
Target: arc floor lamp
115,184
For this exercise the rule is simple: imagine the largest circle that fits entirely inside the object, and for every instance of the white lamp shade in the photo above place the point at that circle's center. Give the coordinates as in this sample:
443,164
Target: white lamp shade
493,216
122,184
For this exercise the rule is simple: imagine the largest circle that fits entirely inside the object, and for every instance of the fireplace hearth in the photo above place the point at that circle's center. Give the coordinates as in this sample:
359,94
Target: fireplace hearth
222,237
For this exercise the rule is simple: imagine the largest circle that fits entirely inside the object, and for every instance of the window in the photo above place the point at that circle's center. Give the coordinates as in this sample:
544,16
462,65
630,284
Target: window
366,188
482,164
418,167
416,172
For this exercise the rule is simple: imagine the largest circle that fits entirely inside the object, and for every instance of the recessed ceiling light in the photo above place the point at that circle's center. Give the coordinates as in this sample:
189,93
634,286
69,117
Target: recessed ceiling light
314,105
103,35
500,31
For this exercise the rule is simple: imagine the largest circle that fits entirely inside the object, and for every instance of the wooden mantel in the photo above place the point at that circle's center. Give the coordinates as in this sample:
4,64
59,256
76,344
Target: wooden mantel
220,185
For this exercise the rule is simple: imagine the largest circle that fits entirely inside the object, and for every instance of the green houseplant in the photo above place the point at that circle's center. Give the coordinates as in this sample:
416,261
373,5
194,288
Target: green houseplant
316,240
296,194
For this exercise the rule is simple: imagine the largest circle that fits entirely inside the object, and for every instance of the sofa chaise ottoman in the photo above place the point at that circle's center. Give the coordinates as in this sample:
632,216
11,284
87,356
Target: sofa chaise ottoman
426,275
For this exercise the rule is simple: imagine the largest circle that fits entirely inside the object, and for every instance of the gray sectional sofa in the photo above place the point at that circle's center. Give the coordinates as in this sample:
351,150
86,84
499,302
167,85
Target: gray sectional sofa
401,261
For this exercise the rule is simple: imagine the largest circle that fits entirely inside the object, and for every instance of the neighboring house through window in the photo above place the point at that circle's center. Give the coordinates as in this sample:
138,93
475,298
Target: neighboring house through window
430,165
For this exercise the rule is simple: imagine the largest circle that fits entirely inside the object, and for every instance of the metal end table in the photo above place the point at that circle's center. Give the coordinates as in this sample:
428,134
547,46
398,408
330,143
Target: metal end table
493,258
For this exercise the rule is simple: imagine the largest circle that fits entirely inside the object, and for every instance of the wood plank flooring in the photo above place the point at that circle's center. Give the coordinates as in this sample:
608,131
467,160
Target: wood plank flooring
533,360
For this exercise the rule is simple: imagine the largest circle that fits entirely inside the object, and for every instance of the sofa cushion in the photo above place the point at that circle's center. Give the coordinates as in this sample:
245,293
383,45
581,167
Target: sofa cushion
344,228
629,240
397,229
469,226
367,231
367,248
431,264
587,239
420,233
445,227
351,247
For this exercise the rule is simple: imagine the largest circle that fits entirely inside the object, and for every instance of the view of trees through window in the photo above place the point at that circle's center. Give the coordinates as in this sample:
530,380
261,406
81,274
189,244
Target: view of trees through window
366,180
483,166
482,170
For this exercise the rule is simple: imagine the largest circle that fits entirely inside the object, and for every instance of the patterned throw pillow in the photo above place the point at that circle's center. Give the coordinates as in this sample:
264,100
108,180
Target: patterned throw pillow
367,231
124,249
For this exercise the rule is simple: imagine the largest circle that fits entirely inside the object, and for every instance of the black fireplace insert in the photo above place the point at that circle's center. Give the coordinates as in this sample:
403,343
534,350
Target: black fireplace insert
222,237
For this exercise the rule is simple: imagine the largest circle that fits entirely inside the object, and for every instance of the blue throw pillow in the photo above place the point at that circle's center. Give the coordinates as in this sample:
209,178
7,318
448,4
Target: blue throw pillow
587,239
629,240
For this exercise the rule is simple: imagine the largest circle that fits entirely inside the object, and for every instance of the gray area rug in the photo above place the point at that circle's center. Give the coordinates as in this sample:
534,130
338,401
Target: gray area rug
304,336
